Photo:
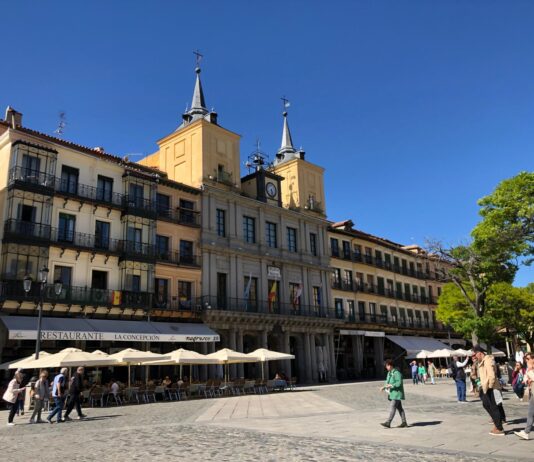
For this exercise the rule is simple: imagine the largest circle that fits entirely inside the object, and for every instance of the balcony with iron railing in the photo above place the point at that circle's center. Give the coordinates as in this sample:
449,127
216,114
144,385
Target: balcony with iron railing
355,286
392,321
175,258
380,263
210,302
181,216
26,231
22,176
75,190
73,295
134,205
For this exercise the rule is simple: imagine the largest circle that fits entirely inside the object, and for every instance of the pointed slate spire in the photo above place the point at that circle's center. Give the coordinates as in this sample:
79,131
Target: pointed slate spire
287,142
198,104
287,151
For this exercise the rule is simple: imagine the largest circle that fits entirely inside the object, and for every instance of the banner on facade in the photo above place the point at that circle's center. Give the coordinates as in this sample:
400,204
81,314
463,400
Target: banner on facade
273,272
109,336
365,333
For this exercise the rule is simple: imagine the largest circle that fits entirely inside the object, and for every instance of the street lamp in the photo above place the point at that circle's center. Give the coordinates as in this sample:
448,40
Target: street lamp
27,284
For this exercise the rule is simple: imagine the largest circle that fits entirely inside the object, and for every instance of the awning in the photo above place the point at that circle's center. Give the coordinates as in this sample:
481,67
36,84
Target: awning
365,333
25,328
414,345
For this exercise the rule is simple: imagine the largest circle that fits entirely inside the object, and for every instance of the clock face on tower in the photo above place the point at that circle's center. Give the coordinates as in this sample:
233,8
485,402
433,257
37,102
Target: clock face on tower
271,189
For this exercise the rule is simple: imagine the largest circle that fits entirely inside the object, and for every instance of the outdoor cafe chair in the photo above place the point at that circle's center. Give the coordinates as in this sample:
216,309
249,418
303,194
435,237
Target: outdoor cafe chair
149,393
260,386
172,392
96,396
131,394
248,387
114,397
160,390
182,391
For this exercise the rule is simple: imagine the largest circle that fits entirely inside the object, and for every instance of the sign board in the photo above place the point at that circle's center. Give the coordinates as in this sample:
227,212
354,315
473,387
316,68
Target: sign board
109,336
366,333
273,272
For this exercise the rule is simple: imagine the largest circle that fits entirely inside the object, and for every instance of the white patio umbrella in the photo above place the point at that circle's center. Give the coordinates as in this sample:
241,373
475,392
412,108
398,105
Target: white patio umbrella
69,357
227,356
20,363
442,353
181,357
461,352
130,356
263,354
423,354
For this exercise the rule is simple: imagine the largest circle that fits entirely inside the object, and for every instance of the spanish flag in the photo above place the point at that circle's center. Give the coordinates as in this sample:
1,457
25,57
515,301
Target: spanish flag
272,296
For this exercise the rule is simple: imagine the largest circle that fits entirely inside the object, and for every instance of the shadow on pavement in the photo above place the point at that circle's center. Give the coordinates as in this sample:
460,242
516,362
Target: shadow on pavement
426,424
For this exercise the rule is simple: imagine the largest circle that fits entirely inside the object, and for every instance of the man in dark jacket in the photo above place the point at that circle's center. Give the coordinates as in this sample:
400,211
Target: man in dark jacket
75,390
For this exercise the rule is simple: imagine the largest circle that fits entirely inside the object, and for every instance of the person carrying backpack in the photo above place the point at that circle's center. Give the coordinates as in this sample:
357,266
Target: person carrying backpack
518,375
458,374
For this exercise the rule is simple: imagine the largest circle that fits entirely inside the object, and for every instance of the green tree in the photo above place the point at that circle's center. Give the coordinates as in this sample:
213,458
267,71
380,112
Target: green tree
513,310
472,273
507,225
457,311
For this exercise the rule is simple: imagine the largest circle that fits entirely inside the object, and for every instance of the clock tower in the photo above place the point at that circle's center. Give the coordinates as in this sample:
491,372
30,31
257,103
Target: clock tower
261,184
303,184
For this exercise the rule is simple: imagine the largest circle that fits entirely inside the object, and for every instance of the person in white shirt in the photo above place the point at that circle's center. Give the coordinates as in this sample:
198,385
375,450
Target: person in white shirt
458,374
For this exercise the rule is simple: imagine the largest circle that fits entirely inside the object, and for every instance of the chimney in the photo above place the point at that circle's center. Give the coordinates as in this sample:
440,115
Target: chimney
13,118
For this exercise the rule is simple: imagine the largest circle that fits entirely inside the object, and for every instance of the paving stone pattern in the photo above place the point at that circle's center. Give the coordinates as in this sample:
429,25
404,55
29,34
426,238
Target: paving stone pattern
330,423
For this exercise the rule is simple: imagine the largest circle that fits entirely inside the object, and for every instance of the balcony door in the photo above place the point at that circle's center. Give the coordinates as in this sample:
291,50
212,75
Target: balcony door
136,195
30,168
69,179
162,292
135,239
102,232
26,220
66,226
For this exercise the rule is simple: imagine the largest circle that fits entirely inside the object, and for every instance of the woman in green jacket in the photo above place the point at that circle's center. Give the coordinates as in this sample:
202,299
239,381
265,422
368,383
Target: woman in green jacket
395,390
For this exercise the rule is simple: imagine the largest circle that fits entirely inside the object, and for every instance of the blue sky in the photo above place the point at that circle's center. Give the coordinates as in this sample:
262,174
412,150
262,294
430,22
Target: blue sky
416,109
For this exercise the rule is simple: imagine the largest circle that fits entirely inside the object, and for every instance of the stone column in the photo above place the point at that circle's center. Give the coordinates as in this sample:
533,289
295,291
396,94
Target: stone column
239,341
314,370
264,344
357,353
307,358
203,372
379,356
232,369
287,349
333,372
212,368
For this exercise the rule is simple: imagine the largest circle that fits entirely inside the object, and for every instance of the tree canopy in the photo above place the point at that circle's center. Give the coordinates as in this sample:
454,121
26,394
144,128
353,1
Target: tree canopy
507,225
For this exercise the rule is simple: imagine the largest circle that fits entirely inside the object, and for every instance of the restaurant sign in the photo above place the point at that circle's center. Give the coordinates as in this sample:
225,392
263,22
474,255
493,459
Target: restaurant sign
109,336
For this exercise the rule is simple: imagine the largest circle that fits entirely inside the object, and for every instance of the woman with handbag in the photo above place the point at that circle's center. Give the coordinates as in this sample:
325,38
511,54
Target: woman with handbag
41,394
12,395
529,391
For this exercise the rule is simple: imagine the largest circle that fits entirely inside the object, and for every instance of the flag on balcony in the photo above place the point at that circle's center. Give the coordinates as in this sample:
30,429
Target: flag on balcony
296,297
247,288
117,298
272,296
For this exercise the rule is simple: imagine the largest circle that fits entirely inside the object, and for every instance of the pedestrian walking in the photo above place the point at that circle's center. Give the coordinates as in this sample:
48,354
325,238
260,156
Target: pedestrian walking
395,390
75,391
432,371
415,377
528,380
58,393
11,396
518,376
458,374
488,383
40,396
421,372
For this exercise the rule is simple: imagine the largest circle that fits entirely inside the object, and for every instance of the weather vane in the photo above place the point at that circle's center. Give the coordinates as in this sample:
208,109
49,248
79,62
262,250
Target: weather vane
61,124
285,102
198,57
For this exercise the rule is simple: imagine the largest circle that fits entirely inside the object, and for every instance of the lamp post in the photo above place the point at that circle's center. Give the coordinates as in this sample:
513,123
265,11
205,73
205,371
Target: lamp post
27,284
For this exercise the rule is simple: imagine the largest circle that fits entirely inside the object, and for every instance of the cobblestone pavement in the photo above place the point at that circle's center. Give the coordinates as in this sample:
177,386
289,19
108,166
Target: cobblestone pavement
330,423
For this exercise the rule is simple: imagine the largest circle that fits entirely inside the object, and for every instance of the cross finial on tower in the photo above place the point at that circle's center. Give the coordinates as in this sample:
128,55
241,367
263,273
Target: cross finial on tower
198,57
285,103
